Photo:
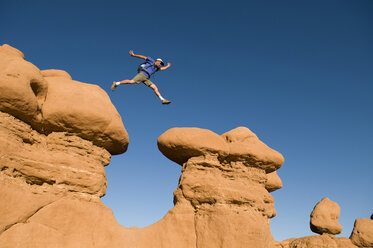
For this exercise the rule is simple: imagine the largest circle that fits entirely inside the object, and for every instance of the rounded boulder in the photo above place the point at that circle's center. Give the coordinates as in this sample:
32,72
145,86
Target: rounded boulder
245,146
84,110
324,217
180,144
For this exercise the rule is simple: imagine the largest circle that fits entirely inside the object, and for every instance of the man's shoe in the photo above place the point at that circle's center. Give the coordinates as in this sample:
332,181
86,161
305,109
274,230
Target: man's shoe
164,101
114,85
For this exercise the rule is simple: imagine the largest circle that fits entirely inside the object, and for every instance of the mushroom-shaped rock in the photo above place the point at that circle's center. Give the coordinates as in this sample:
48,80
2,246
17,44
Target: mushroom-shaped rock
84,110
245,146
273,182
180,144
324,217
50,101
362,234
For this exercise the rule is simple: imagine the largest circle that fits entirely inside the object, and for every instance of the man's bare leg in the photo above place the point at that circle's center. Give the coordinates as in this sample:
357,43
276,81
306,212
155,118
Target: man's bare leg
156,91
126,81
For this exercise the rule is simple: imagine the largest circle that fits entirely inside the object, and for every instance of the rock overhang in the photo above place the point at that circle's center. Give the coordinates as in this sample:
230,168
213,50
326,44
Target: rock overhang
238,145
50,101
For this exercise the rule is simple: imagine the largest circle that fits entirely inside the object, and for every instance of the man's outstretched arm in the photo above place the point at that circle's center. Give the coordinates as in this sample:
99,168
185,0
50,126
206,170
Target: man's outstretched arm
165,67
137,56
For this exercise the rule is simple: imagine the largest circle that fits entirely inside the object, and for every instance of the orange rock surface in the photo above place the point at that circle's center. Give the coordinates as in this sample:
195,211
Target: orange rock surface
58,134
324,220
324,217
50,101
362,234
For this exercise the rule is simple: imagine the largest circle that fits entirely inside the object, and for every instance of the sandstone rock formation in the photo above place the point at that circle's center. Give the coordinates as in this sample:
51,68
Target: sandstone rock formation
69,163
324,217
224,181
273,182
319,241
50,101
218,203
324,220
362,234
56,136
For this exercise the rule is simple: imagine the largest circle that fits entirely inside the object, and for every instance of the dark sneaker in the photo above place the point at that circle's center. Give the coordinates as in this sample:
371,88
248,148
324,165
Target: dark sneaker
114,85
164,101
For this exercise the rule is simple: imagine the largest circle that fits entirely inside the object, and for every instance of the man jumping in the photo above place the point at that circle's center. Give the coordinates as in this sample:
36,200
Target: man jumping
150,67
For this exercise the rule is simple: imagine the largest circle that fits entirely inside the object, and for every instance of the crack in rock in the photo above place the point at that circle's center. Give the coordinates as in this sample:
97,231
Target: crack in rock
24,220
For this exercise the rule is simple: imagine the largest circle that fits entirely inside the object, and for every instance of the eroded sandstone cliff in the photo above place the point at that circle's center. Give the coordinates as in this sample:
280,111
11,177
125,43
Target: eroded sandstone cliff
56,137
50,101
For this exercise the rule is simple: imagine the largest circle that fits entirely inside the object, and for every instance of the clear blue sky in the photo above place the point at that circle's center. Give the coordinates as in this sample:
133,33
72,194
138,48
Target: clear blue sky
297,73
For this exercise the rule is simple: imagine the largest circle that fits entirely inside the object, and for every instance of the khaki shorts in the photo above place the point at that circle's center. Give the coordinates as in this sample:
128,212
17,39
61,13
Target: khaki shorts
141,78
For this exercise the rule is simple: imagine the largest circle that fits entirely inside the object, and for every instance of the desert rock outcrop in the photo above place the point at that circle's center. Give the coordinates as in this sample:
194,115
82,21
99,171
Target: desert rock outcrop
58,134
69,163
319,241
273,182
180,144
324,220
50,101
246,148
324,217
23,88
362,234
224,180
56,137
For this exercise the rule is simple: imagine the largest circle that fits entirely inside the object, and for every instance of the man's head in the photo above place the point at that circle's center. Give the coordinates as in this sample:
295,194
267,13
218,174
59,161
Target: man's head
159,62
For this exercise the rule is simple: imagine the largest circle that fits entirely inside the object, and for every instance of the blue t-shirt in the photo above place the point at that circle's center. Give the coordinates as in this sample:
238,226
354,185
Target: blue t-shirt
150,67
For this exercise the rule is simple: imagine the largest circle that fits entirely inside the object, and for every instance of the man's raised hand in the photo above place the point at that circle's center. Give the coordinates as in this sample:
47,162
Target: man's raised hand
131,53
165,67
